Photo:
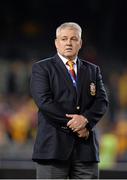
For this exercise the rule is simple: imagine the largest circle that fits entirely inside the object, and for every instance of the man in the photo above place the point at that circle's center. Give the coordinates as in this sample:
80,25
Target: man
71,98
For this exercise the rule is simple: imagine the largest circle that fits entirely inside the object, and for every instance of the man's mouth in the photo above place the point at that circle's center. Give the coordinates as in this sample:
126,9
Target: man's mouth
68,49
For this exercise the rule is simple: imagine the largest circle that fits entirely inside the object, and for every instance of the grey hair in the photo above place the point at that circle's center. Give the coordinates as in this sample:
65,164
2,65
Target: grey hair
70,25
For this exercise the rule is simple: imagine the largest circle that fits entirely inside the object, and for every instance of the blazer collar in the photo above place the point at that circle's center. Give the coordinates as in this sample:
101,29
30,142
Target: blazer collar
64,71
81,74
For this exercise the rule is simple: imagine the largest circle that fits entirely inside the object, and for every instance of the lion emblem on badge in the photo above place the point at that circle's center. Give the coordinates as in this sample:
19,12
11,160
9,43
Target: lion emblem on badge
92,89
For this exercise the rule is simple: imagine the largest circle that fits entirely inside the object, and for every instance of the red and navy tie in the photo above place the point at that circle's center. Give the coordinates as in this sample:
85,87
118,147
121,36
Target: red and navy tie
71,69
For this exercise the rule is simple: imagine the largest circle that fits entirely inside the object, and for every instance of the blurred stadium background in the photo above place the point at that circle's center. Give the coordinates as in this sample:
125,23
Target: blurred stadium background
27,34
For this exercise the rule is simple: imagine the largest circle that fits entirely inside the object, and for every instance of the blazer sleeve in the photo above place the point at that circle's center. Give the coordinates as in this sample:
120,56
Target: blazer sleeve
99,106
43,97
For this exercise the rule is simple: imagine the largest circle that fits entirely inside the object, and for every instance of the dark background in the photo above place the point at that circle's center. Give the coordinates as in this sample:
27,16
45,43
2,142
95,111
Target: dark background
28,27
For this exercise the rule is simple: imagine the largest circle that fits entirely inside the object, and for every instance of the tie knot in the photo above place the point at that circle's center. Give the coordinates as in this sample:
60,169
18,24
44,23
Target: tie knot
70,64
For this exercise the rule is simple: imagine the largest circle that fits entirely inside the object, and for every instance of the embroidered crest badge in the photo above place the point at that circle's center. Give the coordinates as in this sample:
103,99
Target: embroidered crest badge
92,89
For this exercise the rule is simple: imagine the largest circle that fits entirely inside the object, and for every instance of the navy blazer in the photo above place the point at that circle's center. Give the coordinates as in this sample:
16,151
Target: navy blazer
55,95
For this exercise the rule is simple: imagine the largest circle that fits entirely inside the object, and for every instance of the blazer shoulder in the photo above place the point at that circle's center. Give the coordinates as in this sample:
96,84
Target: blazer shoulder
88,64
44,61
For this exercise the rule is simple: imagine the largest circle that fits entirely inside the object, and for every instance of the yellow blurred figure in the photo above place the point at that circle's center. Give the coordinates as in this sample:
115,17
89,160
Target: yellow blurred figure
108,151
121,132
19,127
123,90
23,122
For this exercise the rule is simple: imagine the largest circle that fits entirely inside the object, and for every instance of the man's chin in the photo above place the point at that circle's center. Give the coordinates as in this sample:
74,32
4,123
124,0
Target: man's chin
69,55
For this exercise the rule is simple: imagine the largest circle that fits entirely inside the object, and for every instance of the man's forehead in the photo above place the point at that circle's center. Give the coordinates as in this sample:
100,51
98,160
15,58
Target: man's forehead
68,29
68,32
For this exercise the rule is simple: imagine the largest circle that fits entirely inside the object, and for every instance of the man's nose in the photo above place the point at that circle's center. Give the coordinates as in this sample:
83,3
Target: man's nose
69,41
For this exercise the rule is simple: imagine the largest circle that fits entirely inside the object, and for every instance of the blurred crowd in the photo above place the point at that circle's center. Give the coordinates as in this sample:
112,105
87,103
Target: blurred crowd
18,118
17,110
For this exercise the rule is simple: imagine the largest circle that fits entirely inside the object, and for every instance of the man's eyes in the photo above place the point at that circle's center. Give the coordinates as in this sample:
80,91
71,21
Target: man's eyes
64,39
73,39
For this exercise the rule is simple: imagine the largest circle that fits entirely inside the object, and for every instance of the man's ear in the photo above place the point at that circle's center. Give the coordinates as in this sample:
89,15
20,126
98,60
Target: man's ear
80,43
56,43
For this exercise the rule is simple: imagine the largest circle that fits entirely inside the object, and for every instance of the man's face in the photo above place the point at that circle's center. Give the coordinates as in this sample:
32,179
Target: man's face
68,43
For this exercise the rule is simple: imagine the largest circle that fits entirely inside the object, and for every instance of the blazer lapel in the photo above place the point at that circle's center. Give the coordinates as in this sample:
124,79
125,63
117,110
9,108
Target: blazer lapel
82,74
66,76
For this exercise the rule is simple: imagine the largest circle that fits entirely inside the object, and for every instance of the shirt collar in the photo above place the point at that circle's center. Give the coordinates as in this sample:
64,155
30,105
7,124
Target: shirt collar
65,60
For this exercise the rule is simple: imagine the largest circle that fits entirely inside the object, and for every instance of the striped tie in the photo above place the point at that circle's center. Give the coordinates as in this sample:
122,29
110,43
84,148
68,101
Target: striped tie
71,69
